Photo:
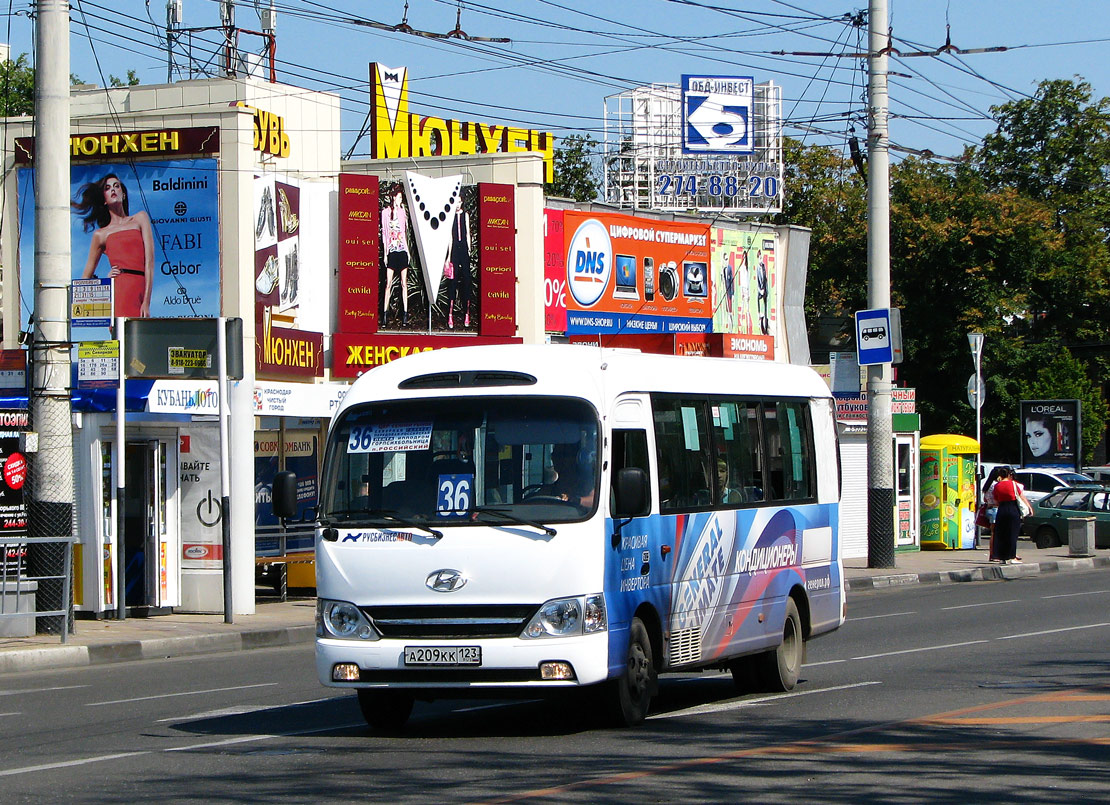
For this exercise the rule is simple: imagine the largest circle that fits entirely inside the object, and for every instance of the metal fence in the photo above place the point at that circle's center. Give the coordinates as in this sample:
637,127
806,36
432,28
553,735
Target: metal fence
29,586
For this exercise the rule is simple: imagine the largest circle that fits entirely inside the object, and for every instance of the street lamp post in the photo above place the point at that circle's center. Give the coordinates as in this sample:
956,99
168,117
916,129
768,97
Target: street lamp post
976,397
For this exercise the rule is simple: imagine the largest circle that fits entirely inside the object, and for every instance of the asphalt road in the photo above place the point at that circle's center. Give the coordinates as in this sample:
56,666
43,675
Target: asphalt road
984,692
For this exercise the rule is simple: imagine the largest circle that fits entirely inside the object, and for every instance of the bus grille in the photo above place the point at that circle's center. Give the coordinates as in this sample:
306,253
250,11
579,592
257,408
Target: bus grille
451,622
685,646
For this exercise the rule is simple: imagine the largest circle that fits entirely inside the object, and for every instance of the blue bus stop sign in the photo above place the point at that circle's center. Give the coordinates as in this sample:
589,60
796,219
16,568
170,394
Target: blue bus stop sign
874,338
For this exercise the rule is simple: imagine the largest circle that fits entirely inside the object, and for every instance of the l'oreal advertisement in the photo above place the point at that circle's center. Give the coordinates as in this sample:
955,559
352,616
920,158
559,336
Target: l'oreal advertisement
152,227
1051,433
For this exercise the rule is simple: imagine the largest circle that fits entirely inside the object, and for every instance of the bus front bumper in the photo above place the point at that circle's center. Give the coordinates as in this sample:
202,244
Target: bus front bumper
502,662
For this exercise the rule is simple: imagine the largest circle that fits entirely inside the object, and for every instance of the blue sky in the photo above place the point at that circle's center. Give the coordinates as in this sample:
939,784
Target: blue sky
565,56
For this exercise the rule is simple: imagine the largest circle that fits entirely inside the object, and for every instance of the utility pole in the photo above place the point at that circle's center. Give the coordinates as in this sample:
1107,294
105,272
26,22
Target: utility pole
174,16
880,451
227,20
50,492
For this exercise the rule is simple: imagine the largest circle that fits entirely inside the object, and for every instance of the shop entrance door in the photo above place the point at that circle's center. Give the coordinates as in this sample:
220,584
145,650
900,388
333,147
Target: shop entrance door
144,523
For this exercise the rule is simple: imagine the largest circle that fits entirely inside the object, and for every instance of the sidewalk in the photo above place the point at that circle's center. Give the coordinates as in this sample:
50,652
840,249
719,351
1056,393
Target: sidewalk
285,623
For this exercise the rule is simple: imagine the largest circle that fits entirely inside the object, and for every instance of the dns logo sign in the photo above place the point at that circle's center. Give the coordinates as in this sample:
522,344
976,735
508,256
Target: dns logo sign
589,262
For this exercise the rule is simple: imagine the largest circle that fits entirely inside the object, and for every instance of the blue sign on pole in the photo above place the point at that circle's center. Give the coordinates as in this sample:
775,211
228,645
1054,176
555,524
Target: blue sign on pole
874,337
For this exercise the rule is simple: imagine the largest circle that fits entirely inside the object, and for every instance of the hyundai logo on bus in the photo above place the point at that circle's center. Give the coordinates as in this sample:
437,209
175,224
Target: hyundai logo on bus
445,581
879,336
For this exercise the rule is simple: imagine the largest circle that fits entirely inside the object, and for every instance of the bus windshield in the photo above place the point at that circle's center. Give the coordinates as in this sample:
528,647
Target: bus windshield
462,461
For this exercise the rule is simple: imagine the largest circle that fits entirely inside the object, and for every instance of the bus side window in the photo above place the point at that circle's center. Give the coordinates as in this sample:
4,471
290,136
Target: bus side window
629,450
682,448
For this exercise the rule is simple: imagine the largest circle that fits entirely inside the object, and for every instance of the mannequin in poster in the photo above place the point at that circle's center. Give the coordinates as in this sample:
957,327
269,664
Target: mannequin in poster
126,239
395,228
457,270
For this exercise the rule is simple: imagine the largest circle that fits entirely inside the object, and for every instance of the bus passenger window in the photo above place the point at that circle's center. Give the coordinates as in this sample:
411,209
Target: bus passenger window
682,446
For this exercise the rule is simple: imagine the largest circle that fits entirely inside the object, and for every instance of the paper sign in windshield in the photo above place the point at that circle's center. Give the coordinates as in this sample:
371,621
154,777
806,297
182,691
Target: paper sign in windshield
390,438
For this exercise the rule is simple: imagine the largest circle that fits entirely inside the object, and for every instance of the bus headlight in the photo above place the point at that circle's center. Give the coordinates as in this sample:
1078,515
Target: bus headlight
343,619
565,617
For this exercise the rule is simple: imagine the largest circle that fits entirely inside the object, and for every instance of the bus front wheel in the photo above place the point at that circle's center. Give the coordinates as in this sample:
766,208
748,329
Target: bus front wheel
385,709
630,694
779,669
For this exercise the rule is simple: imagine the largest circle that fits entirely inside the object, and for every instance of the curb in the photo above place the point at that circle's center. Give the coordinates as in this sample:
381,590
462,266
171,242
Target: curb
64,656
989,573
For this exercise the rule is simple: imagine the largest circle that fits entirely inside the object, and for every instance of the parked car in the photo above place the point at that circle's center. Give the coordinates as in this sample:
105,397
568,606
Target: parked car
1048,524
1100,474
1040,481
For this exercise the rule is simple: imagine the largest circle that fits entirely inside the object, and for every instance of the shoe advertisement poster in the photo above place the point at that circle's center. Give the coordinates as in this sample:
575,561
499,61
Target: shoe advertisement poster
291,309
150,227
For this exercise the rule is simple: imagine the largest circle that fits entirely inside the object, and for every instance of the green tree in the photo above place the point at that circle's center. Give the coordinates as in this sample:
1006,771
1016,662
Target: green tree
1055,148
824,192
575,169
962,259
17,87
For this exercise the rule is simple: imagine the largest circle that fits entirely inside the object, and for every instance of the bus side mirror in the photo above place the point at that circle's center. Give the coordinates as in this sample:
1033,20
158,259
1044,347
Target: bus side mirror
631,493
284,494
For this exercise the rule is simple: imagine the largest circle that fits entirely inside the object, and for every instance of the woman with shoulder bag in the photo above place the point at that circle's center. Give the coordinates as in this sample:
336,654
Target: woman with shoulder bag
1007,525
989,508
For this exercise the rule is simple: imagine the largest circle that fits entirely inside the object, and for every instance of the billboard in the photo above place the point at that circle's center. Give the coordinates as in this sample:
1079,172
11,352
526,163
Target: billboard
745,282
152,227
289,319
717,114
627,274
1051,433
396,132
425,238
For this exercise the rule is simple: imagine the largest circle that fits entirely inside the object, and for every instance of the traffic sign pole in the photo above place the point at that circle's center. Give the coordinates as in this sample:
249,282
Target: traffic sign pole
880,458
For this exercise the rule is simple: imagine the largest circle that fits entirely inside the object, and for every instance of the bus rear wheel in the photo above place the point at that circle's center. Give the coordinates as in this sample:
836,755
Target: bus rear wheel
631,693
385,709
779,669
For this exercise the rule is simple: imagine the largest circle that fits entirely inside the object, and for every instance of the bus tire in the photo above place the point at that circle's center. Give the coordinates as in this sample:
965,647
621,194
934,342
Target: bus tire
386,710
631,693
779,668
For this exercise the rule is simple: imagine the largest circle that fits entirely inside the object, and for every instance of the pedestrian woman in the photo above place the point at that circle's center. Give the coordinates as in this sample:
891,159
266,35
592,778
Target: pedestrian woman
1007,524
126,239
990,506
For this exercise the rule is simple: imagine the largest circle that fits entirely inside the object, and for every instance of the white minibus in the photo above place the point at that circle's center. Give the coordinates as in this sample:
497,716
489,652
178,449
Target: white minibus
515,520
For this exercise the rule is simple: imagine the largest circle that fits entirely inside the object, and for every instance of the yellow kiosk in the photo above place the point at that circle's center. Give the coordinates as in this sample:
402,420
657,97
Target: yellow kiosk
948,492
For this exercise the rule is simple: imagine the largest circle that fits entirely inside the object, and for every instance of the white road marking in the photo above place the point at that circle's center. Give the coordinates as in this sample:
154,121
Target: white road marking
702,709
1072,595
1052,631
873,617
180,693
916,650
986,604
39,690
68,763
241,711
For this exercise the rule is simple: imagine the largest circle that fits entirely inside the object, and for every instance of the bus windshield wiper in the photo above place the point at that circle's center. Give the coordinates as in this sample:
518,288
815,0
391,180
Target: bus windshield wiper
512,518
392,516
382,514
